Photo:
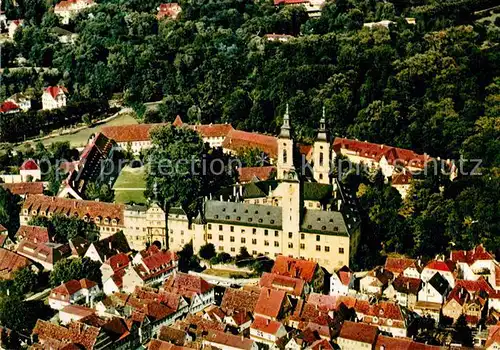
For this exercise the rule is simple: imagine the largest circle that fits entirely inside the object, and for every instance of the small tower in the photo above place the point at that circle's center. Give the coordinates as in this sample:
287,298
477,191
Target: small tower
285,148
321,154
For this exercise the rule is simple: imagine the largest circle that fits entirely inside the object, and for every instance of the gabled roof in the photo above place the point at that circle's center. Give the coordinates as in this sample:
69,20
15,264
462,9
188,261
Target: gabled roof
229,340
156,344
112,245
360,332
398,265
407,285
73,286
118,261
187,285
321,344
323,302
270,302
385,342
294,286
471,256
22,188
172,335
66,5
265,325
493,336
29,164
34,234
8,106
159,259
235,300
76,333
11,262
401,179
237,141
439,265
296,268
54,91
170,10
248,174
49,252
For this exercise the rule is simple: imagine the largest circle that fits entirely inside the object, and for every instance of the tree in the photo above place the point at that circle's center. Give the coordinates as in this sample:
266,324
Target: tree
187,260
207,251
21,316
25,280
9,210
74,269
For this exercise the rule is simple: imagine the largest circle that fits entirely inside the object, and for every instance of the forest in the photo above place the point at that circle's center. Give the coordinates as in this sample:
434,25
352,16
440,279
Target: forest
433,87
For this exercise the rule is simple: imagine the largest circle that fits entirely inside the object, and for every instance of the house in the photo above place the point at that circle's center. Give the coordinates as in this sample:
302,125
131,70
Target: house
11,262
321,344
13,25
156,344
5,241
174,336
214,313
170,10
407,267
108,217
402,182
268,332
444,268
272,304
387,316
113,264
45,254
54,97
106,248
154,268
313,7
30,171
237,141
470,299
195,289
239,300
404,290
294,287
434,290
22,100
428,309
341,281
226,341
33,234
71,313
354,336
255,174
9,107
113,283
72,292
68,9
50,335
313,317
387,343
375,281
23,189
64,36
476,263
78,246
306,270
493,341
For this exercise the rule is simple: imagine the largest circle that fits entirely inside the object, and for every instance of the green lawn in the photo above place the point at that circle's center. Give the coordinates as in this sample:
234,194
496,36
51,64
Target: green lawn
80,138
130,186
227,273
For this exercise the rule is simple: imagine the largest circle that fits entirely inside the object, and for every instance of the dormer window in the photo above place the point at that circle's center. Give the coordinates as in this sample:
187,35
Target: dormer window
106,221
97,219
26,211
50,214
34,212
42,213
86,218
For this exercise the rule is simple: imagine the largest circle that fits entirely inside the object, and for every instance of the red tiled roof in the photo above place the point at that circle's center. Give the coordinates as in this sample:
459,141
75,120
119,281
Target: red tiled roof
471,256
159,259
383,309
29,164
229,340
321,344
178,121
2,228
290,2
360,332
87,284
445,266
265,325
297,268
323,302
22,188
398,265
270,302
68,4
305,150
72,207
172,335
129,133
388,343
407,285
68,288
200,324
345,275
212,130
34,234
76,332
375,152
8,106
54,91
78,310
156,344
170,10
187,285
248,174
118,261
237,141
493,336
239,300
49,253
290,285
3,238
11,262
402,178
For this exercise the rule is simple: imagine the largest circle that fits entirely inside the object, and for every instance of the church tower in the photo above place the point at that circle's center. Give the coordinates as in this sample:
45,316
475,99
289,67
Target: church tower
321,154
285,148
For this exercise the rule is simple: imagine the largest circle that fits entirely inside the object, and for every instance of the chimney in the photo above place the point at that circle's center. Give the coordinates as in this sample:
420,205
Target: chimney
110,245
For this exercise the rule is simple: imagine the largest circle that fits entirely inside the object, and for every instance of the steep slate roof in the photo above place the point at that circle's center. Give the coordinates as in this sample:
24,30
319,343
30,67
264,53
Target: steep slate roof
237,141
360,332
324,222
34,234
22,188
229,340
439,283
248,174
241,300
294,286
73,207
11,262
76,332
265,325
297,268
270,302
112,245
375,152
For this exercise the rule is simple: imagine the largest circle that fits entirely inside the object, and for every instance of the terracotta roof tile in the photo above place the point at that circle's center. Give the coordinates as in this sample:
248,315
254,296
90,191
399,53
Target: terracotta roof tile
445,266
156,344
270,302
493,336
248,174
34,234
212,130
321,344
172,335
76,332
78,310
29,164
297,268
402,178
8,106
54,91
407,285
388,343
170,10
229,340
129,133
118,261
398,265
237,140
359,332
239,300
294,286
265,325
323,302
66,5
11,262
22,188
471,256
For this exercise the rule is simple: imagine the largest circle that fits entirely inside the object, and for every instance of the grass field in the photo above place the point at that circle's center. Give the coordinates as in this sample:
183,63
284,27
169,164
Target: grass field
80,138
227,273
130,186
